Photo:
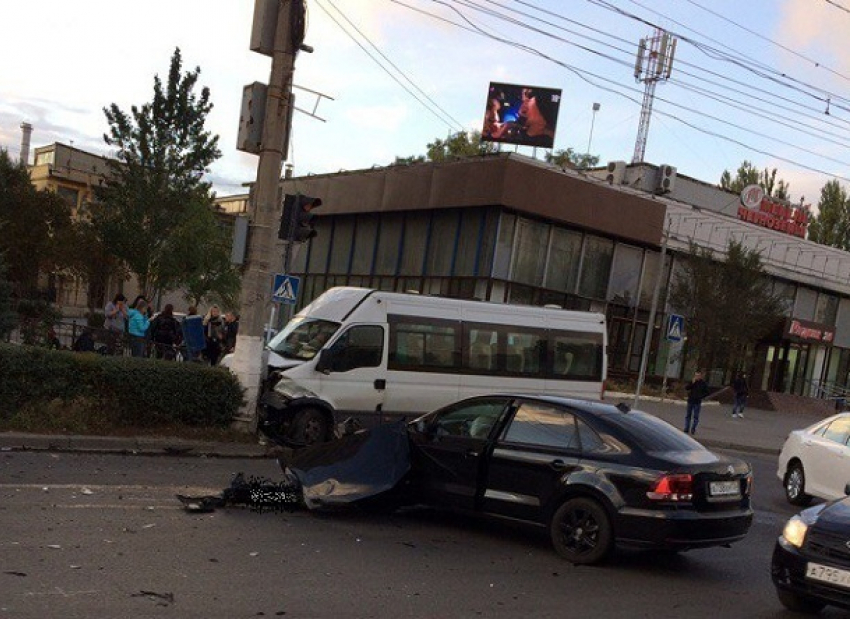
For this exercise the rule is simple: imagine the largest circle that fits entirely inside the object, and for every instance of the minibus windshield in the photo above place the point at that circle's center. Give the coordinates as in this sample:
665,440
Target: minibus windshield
302,337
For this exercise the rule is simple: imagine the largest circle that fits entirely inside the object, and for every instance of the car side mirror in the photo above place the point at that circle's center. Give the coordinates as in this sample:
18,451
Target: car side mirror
324,363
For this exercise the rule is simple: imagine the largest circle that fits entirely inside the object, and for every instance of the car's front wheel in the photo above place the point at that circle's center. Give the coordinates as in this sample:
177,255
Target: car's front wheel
798,603
581,531
309,426
795,485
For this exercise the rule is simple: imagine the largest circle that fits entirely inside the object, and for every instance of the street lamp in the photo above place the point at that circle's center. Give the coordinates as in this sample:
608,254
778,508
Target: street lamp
596,107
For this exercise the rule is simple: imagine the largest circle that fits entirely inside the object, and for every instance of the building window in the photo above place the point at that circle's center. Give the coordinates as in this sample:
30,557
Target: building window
625,275
504,246
319,246
389,242
365,237
564,258
342,245
45,158
530,258
468,249
596,267
826,309
415,238
441,243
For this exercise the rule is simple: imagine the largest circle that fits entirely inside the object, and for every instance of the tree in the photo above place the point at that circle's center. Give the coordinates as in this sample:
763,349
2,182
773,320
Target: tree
36,229
748,174
163,151
831,226
198,257
8,318
572,159
728,305
456,146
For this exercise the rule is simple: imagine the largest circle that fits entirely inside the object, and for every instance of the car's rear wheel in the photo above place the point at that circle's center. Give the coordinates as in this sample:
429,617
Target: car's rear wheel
795,485
309,426
581,531
798,603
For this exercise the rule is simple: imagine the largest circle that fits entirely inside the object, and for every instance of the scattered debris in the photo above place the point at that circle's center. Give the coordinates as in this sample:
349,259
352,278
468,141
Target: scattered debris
86,491
254,554
11,573
161,599
148,526
54,546
257,493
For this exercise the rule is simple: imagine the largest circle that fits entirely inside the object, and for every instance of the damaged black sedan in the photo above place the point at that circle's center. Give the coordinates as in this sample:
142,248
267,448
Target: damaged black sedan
596,475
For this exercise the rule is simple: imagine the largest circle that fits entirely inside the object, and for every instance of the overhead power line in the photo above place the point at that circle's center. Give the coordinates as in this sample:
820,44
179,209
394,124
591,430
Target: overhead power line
444,118
837,6
588,77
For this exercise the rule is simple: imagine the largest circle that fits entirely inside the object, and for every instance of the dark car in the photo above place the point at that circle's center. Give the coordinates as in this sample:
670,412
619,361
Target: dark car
811,560
593,473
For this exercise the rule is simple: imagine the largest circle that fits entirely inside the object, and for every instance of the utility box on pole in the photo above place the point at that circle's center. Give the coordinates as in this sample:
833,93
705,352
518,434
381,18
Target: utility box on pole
250,136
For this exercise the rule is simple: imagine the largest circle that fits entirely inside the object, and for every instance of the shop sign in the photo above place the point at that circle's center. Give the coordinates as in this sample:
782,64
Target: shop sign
764,211
810,332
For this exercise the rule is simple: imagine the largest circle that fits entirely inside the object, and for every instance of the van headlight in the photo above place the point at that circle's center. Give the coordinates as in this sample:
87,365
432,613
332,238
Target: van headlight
795,531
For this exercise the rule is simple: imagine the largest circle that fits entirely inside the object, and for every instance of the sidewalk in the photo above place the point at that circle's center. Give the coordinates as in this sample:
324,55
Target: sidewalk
760,431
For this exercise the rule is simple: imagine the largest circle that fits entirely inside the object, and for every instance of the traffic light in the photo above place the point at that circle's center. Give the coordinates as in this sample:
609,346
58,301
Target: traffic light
296,220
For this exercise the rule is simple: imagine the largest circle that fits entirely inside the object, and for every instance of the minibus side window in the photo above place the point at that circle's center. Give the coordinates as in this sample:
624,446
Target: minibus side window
422,344
361,346
576,355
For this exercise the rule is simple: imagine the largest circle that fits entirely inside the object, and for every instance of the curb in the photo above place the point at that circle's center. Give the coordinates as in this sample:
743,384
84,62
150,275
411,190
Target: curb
129,445
616,395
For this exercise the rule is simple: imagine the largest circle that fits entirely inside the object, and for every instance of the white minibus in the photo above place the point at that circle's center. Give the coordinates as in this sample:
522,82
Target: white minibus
378,356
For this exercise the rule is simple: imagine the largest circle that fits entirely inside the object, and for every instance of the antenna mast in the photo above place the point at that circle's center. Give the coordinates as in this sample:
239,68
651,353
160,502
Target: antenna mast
653,64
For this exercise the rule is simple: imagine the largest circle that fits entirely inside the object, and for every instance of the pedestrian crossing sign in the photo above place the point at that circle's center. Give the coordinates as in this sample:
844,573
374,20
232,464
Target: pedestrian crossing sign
675,328
285,288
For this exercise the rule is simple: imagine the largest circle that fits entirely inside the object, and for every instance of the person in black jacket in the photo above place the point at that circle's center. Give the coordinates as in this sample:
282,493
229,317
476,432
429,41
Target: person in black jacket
697,390
741,390
166,333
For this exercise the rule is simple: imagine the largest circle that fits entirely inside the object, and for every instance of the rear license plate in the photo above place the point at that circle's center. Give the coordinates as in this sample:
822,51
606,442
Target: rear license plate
832,575
724,488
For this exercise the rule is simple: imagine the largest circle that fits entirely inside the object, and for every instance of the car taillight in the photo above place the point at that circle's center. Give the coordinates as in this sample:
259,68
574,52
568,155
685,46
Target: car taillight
673,488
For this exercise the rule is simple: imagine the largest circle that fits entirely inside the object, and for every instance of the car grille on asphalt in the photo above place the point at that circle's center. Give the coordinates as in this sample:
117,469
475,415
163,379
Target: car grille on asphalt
828,546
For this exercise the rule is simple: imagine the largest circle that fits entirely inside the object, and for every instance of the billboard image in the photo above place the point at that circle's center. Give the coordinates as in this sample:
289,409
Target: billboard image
523,115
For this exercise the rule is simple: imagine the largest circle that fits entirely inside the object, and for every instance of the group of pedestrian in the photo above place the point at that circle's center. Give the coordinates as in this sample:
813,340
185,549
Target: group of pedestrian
698,390
164,334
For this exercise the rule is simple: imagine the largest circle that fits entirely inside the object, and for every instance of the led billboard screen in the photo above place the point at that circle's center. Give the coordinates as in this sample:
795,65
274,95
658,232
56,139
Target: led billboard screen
523,115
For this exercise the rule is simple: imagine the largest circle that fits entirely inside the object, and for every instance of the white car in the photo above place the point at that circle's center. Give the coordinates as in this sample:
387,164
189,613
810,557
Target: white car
815,461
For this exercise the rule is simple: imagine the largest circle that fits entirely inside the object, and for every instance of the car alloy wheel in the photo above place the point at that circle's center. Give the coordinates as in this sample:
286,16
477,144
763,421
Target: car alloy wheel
581,531
795,485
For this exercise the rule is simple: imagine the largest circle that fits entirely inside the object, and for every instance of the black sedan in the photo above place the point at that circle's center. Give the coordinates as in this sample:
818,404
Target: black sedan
596,475
811,560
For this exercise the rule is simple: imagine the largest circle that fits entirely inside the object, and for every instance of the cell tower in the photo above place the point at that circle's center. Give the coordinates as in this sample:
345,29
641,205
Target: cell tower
653,64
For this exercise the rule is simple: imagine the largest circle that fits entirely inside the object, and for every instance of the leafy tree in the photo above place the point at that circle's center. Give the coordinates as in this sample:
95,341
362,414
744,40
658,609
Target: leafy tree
831,226
199,258
163,151
570,158
36,229
748,174
8,318
456,146
728,304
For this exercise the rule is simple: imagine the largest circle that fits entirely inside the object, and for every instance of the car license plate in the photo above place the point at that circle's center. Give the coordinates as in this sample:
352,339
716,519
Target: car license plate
832,575
724,488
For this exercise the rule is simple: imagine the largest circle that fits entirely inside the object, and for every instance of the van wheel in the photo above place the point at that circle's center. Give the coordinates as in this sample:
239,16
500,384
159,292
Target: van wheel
581,531
309,427
795,485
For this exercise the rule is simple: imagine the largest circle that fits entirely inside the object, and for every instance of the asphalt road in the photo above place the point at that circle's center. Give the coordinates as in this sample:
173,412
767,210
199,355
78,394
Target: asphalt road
103,536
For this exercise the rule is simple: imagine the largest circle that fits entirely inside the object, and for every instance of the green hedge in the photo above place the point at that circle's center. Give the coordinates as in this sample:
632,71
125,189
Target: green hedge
129,392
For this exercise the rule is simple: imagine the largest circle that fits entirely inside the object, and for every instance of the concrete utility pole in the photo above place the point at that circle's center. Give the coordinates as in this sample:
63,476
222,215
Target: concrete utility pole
265,208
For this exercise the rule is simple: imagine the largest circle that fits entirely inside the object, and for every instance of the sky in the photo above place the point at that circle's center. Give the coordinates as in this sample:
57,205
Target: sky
750,80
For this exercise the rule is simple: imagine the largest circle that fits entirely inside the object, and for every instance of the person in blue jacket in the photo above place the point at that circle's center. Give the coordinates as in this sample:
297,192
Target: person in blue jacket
137,326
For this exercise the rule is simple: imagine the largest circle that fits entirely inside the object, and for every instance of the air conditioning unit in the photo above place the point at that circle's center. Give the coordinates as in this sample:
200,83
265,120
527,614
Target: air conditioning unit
666,180
616,172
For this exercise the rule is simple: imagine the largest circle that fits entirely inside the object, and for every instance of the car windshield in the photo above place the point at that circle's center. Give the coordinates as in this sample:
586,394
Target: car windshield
302,337
653,435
